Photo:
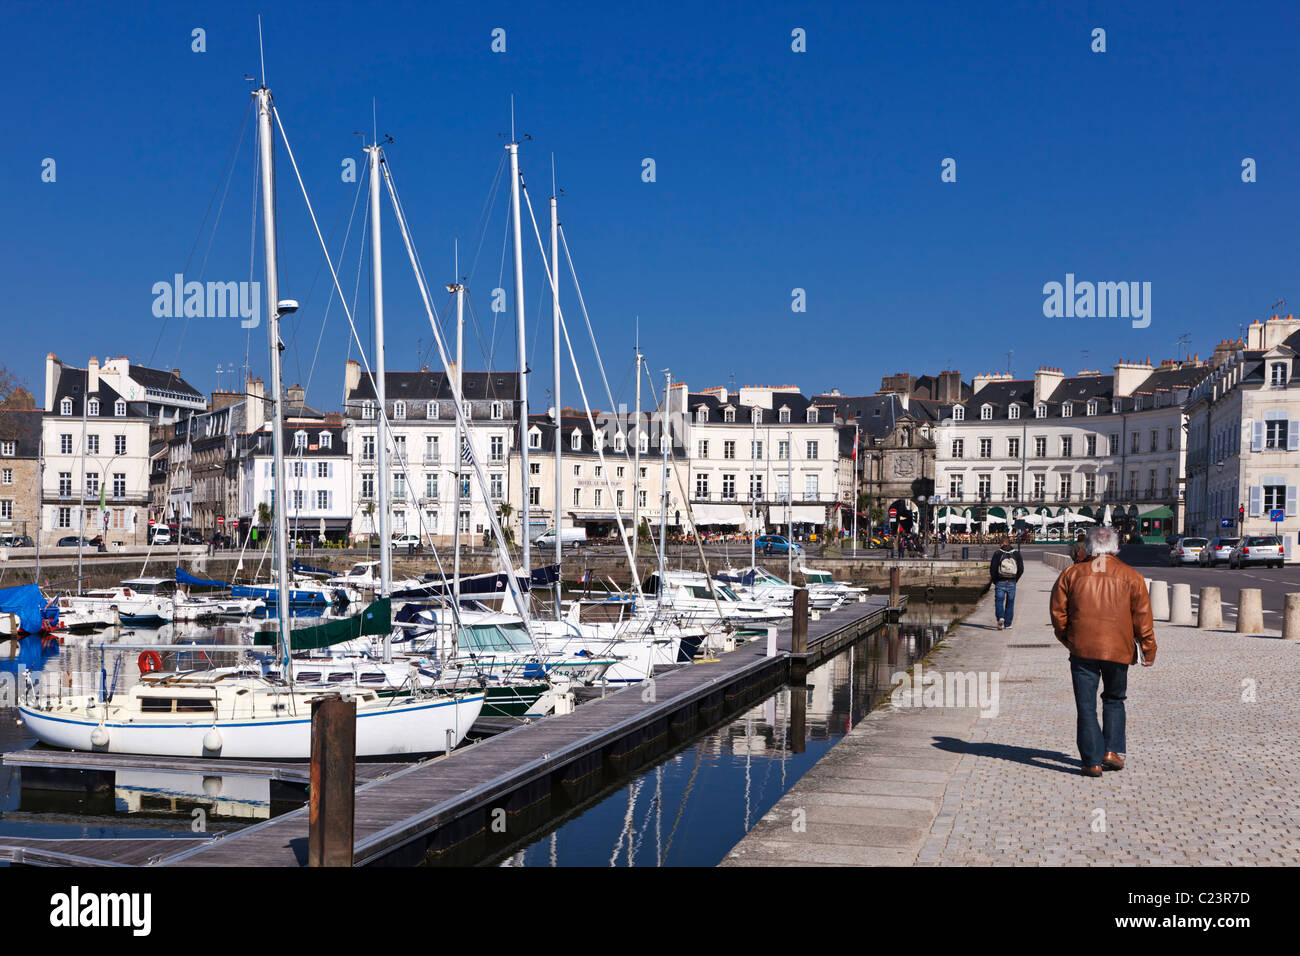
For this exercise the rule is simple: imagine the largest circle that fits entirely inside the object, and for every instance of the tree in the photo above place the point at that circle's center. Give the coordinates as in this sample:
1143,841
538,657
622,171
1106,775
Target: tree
265,515
504,511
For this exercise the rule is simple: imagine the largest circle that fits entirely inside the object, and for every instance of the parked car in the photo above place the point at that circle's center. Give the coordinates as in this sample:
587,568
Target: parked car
17,541
160,535
569,538
402,542
1219,551
1260,549
190,536
776,544
1187,551
72,541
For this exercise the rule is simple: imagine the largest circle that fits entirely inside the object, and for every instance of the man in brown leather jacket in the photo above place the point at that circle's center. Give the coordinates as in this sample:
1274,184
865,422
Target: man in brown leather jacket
1101,612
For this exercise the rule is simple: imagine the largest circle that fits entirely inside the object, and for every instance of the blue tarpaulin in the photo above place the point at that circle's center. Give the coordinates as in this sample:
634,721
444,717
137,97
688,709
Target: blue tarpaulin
27,602
184,577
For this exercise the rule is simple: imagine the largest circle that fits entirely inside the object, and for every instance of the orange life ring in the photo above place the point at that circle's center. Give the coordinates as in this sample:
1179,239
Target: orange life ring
149,661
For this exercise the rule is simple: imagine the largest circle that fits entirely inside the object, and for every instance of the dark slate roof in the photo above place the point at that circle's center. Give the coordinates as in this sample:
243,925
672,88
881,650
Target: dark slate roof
427,386
24,427
72,384
874,414
259,442
165,380
797,403
610,426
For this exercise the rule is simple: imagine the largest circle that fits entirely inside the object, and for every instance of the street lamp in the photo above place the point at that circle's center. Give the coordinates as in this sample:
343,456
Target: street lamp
921,514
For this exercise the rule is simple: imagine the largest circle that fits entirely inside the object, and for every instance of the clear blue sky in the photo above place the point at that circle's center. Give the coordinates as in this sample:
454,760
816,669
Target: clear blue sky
775,170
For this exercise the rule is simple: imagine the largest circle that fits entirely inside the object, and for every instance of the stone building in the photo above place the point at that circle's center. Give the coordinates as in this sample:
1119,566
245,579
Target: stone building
20,452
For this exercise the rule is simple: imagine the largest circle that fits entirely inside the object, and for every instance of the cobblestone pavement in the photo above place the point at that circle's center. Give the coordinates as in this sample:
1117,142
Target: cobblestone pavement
1213,773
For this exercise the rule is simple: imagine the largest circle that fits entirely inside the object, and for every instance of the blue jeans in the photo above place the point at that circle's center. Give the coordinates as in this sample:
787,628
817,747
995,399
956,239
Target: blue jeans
1004,600
1096,741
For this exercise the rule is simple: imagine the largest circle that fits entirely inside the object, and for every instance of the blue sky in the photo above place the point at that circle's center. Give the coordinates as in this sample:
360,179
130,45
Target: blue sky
775,170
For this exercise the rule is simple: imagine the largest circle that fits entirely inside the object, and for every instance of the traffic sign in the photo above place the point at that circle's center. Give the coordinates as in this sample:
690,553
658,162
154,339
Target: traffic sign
1276,514
220,520
893,512
1225,522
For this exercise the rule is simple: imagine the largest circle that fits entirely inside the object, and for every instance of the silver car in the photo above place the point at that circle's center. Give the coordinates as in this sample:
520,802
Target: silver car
1262,549
1219,551
1187,551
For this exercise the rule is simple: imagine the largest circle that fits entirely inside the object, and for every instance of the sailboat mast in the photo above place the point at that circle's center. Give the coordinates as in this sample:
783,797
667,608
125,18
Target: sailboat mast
459,289
555,333
381,445
636,455
279,500
523,356
663,501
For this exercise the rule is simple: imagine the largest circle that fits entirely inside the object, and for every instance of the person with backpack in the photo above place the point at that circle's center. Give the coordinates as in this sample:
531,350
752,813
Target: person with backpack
1079,550
1005,570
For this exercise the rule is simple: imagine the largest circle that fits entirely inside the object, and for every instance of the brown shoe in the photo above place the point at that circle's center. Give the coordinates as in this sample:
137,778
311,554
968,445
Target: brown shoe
1092,771
1112,761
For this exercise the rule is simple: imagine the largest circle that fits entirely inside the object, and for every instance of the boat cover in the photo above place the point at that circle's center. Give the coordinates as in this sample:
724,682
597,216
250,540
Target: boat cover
375,619
27,602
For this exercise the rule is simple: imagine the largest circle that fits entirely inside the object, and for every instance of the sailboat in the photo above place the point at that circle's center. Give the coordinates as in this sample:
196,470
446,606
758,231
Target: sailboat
239,712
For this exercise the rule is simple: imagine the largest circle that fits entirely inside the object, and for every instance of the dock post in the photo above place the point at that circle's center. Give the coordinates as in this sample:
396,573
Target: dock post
1291,617
333,781
1209,609
799,638
798,718
1250,611
771,641
895,590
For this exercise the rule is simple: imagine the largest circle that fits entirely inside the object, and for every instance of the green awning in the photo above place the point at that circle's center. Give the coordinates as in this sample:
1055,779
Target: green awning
1087,510
375,619
998,513
1162,512
944,511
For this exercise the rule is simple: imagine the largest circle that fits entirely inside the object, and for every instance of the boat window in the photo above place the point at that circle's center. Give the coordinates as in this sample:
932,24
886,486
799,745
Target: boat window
156,705
728,593
372,677
480,638
338,677
307,677
192,705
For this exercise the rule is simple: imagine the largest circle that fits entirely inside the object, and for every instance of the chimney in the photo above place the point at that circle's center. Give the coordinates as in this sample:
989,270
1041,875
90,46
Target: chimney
979,381
1046,381
52,369
351,377
295,395
256,416
1128,376
949,387
92,376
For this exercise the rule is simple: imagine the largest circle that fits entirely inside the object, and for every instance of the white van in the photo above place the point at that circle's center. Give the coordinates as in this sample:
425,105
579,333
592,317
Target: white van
569,538
161,535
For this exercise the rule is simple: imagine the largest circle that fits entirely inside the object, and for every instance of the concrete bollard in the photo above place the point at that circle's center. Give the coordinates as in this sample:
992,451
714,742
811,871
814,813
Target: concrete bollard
1209,612
1160,600
1180,611
1291,618
1250,611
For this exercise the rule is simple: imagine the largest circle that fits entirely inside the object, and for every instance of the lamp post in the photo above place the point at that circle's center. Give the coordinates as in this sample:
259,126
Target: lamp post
921,514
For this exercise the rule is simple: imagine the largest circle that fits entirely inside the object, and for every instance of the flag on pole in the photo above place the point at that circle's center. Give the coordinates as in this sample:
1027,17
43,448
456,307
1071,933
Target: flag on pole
465,452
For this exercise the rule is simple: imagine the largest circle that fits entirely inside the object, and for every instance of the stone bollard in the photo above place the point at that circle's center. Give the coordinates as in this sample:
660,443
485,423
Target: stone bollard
1160,600
1291,618
1209,613
1181,609
1250,611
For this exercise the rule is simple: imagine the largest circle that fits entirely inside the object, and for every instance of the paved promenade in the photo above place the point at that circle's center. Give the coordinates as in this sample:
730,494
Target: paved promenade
1213,775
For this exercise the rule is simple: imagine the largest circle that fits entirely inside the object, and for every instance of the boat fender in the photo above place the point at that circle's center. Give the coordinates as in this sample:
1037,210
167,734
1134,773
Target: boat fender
212,740
149,661
99,736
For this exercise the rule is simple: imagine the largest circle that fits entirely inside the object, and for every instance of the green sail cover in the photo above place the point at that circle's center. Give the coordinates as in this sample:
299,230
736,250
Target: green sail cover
375,619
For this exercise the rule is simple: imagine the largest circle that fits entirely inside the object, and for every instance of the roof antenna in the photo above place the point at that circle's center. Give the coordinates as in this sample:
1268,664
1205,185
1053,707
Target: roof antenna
260,51
1009,353
512,117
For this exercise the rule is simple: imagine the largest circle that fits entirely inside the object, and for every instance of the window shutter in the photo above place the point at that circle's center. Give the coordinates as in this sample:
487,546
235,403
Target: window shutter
1256,500
1293,435
1291,500
1257,444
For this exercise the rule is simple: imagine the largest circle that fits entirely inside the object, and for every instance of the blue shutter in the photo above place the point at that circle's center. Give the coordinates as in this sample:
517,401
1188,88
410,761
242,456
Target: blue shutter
1256,501
1293,435
1291,500
1258,443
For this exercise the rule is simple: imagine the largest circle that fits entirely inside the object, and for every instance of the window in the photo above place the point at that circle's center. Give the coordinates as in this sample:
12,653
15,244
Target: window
783,450
65,484
65,407
1169,438
119,408
367,447
577,497
784,416
65,444
1040,486
399,486
810,489
597,495
466,409
119,444
299,439
1089,486
92,483
322,500
756,415
701,414
1113,444
64,519
1137,404
367,484
1135,442
1040,446
1064,491
958,413
756,450
534,495
641,497
702,449
619,471
399,409
534,439
1155,439
92,444
8,448
325,439
464,485
93,407
119,484
1132,482
955,487
643,441
367,409
812,416
1092,406
728,449
496,486
812,450
986,412
399,447
498,411
755,487
958,447
702,486
463,526
1275,431
575,441
432,452
782,487
322,469
1013,411
728,414
534,468
986,447
1067,446
1067,410
1013,447
985,487
620,442
577,471
1012,487
431,485
1040,411
728,487
618,497
431,411
8,476
299,469
1277,375
497,448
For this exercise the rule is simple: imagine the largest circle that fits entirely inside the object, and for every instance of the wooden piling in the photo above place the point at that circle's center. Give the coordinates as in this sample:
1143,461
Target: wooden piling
333,781
799,638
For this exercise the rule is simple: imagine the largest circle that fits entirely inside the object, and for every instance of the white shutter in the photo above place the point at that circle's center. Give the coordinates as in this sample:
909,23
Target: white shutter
1293,435
1257,443
1291,500
1256,501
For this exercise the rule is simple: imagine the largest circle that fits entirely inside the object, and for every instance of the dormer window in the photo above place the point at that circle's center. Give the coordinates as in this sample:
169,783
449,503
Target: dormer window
465,409
1040,411
65,407
576,441
958,413
1114,406
1013,411
94,407
1067,410
534,439
620,443
326,439
643,440
368,410
701,414
498,411
431,411
1137,404
1277,375
812,416
785,416
986,412
299,439
729,415
119,408
399,409
756,416
1092,406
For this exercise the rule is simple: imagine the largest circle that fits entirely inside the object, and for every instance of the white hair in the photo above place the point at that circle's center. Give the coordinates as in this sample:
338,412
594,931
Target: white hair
1103,540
